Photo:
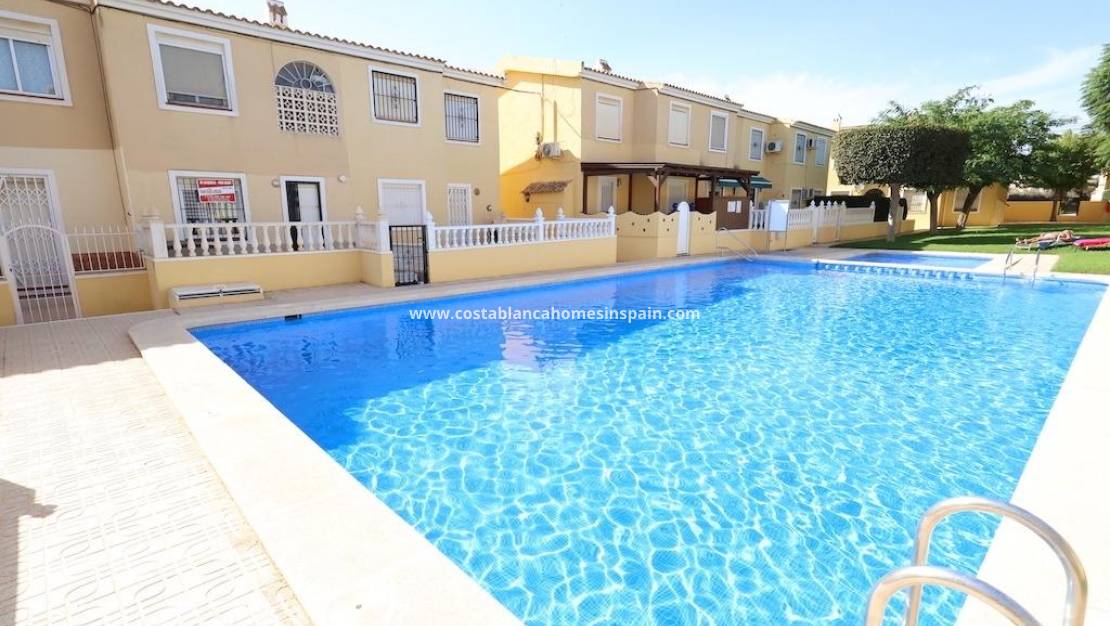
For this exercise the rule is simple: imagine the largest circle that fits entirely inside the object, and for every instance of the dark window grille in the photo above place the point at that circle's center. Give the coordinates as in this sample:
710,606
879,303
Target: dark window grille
395,98
462,117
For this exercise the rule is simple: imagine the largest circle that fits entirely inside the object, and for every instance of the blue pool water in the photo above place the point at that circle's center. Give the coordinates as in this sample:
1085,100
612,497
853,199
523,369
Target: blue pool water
934,260
764,464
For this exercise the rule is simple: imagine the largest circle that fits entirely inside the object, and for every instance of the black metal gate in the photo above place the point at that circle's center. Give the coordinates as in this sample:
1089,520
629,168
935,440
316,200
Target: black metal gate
410,254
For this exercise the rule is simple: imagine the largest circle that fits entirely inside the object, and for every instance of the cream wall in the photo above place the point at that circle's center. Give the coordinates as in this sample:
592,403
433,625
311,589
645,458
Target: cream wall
784,174
549,108
451,265
117,292
251,142
72,141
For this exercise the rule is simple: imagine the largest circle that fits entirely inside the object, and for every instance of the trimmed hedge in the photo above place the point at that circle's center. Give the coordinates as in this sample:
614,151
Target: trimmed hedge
917,155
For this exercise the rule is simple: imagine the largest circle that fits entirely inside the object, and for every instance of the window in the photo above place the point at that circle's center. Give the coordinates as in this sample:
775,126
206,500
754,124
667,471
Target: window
678,133
608,125
31,59
797,198
461,117
718,131
209,197
821,145
755,145
395,97
800,148
306,101
192,72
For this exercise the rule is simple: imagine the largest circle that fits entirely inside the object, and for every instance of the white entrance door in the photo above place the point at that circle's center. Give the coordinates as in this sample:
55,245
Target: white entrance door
606,193
402,201
458,204
304,203
682,246
33,250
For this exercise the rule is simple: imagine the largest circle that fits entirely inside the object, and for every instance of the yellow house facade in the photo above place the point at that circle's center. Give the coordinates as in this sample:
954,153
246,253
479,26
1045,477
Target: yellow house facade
570,135
119,112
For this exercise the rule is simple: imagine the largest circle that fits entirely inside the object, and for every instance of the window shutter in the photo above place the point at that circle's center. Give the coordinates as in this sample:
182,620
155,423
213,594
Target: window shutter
193,76
608,118
717,130
679,126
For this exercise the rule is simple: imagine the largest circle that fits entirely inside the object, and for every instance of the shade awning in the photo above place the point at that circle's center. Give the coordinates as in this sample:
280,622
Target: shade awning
546,186
758,182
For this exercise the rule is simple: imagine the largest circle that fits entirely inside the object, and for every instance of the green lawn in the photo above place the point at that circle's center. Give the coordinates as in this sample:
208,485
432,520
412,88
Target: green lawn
999,240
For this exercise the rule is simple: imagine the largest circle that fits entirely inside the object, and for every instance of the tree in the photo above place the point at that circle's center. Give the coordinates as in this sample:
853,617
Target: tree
1001,140
1064,165
1096,100
914,155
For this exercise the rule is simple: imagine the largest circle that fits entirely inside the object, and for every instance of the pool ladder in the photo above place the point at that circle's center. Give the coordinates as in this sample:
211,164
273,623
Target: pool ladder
1010,262
919,574
747,255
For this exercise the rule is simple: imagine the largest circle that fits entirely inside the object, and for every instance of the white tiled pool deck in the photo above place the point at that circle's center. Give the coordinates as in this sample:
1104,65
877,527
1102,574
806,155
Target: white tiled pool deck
112,512
109,512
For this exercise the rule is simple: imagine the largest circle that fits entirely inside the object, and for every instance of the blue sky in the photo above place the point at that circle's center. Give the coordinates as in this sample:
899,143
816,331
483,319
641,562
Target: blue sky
835,61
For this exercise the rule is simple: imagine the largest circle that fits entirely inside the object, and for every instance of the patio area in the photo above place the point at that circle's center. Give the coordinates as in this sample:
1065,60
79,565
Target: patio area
110,513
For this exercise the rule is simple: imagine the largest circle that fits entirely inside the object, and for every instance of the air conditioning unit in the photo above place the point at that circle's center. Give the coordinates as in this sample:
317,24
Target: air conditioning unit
774,146
551,150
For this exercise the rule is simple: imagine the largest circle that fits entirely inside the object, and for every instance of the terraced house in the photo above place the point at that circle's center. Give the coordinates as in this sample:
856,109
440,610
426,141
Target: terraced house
155,155
585,139
118,113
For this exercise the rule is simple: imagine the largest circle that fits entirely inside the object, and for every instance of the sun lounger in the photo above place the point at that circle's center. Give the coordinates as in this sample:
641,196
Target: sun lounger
1097,243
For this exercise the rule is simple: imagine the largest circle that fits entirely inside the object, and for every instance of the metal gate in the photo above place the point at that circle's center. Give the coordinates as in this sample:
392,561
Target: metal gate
410,254
34,253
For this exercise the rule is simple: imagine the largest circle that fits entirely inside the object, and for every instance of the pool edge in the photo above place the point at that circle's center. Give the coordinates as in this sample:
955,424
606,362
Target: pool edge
347,557
1007,559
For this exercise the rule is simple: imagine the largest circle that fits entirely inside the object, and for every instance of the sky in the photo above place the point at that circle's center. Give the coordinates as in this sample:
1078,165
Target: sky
815,61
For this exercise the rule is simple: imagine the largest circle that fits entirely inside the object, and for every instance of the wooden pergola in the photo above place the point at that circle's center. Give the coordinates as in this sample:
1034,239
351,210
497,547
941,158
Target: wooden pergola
657,174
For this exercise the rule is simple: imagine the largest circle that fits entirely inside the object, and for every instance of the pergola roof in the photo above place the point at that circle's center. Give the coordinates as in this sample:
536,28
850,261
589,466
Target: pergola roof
666,169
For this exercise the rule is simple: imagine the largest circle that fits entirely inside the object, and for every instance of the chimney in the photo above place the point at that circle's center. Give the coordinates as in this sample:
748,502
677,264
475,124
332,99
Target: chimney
278,16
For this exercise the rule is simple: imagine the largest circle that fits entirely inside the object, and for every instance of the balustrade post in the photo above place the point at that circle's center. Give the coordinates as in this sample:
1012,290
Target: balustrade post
539,225
157,236
612,218
430,226
383,231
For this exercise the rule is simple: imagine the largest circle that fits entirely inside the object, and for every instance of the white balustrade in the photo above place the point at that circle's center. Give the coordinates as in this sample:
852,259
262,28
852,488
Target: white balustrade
247,238
757,219
521,232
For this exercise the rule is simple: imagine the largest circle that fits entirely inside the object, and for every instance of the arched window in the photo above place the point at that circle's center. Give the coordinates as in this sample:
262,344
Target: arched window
306,101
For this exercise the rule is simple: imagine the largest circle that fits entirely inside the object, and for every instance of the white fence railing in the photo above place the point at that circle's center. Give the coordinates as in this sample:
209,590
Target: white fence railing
517,232
859,216
104,249
234,239
251,238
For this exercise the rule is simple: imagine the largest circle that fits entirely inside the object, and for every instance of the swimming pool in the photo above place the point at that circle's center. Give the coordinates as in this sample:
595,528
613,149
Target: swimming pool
760,465
934,260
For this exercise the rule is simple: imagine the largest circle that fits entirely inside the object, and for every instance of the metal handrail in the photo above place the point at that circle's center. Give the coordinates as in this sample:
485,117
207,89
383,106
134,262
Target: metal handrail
916,576
747,245
1076,605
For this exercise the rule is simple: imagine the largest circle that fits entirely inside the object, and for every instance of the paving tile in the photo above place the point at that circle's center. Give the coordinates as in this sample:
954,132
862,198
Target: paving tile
109,513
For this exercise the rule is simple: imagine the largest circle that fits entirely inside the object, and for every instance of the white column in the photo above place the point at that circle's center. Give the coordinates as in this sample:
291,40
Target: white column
430,226
383,231
539,224
612,222
157,236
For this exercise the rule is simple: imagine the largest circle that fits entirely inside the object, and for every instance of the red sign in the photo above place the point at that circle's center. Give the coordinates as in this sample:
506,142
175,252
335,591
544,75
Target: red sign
213,190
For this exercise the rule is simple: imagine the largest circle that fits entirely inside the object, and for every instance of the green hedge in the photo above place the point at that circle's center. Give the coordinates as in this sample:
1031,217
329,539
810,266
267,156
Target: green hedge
918,156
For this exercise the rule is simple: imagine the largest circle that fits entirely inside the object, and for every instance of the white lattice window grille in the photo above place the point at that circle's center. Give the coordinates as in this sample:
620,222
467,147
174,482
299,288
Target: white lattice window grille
306,101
